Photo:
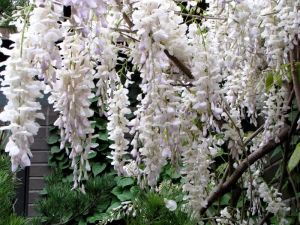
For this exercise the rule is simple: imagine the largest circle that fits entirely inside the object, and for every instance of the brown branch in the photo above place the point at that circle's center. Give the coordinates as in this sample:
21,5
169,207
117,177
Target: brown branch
173,58
223,188
127,20
179,64
296,82
284,169
257,132
125,16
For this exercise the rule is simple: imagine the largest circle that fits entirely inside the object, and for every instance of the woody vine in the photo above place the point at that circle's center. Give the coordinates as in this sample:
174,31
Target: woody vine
203,75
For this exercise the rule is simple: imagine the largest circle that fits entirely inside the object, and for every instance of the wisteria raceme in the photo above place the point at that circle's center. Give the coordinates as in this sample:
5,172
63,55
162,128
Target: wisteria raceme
22,91
38,56
156,124
44,32
202,76
71,97
106,74
84,11
117,126
260,191
281,31
200,111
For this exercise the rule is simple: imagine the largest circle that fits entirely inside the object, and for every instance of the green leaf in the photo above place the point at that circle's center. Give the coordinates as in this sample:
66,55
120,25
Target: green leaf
116,190
276,151
101,124
52,128
102,207
55,149
68,179
295,140
54,138
92,154
43,192
293,115
278,79
98,168
295,158
82,222
103,136
134,190
94,99
121,194
126,181
125,196
221,169
113,206
96,217
61,157
172,172
225,199
269,81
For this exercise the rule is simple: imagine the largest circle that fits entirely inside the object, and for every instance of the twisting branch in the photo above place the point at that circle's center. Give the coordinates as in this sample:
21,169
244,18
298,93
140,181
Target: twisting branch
223,188
173,58
284,166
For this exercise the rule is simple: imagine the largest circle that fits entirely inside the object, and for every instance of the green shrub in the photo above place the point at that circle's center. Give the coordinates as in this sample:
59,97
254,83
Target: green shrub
150,207
60,205
7,194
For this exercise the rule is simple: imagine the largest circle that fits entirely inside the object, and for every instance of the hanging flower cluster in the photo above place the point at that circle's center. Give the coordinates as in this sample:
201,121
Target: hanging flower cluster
34,56
71,97
22,91
156,124
199,79
117,126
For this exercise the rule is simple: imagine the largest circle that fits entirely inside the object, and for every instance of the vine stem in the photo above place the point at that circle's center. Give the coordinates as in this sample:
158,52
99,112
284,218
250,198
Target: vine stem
284,169
23,30
223,188
245,152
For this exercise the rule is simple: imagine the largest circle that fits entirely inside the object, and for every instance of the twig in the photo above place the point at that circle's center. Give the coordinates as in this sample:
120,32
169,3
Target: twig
123,30
125,16
225,175
245,152
266,217
286,151
248,140
200,16
179,64
175,60
294,189
182,85
223,188
270,13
